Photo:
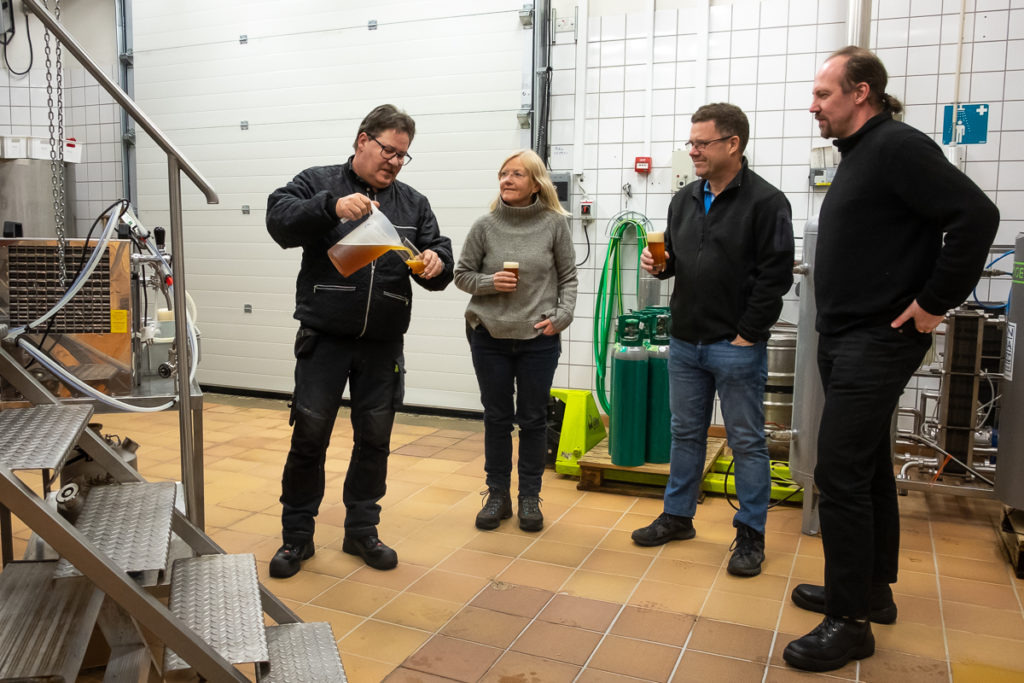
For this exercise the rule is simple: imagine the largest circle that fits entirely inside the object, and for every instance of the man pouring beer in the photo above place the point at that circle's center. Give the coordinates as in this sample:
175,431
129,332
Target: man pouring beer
350,330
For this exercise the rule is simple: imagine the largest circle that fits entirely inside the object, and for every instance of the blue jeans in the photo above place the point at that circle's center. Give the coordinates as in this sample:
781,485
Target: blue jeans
739,374
524,368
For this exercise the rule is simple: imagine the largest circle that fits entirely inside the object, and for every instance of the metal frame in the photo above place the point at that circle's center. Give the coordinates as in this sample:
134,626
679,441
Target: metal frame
100,451
112,580
191,465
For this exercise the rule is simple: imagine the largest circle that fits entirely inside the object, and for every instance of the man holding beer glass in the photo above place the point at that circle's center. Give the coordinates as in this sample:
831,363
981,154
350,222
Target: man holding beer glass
729,245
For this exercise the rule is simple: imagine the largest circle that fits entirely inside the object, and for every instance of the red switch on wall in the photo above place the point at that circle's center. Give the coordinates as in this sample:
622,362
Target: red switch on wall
642,165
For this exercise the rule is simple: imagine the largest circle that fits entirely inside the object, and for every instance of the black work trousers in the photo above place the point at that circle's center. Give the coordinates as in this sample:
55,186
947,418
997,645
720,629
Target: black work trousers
323,365
864,372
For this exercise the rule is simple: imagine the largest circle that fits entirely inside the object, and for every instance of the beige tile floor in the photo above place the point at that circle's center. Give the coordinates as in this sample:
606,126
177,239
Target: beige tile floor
579,601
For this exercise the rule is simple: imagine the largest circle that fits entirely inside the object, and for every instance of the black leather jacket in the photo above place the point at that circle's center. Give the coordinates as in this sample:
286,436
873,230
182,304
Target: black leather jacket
375,301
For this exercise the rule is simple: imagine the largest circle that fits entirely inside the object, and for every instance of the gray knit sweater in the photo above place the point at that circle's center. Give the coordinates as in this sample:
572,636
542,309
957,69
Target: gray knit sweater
539,240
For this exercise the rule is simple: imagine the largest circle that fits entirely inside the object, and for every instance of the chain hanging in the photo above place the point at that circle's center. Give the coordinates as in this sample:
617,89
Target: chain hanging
56,141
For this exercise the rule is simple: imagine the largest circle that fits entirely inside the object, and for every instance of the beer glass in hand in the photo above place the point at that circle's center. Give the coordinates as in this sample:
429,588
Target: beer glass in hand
656,245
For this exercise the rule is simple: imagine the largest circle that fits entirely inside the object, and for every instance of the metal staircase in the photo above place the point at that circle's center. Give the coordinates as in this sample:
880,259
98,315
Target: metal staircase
111,572
49,609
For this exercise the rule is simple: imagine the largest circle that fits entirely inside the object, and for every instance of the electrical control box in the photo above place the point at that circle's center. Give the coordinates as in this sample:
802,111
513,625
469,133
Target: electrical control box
586,208
824,162
682,169
6,20
562,181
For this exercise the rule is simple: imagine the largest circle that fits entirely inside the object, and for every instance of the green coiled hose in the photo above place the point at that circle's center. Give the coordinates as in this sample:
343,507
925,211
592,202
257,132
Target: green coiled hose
608,303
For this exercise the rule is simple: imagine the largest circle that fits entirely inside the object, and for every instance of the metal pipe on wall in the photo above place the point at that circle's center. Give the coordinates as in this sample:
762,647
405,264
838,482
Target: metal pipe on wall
858,23
541,76
580,93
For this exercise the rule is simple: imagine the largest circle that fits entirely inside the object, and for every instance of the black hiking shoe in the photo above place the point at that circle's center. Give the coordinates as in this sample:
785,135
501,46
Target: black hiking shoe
749,552
497,506
530,516
664,529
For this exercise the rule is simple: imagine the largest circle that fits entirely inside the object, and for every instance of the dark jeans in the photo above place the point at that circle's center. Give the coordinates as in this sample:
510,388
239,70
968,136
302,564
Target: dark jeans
525,368
864,372
323,364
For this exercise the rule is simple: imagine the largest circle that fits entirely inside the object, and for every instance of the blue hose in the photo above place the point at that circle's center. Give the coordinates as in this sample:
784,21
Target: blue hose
1003,307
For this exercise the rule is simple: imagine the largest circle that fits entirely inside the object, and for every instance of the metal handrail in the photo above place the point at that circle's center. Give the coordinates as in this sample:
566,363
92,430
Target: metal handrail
191,468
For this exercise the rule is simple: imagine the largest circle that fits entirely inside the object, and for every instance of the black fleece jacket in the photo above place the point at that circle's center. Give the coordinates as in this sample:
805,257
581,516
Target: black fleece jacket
731,266
899,223
374,302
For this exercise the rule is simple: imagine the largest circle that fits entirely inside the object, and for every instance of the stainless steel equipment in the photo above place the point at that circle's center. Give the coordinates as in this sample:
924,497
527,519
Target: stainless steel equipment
778,395
26,195
1010,461
92,335
808,394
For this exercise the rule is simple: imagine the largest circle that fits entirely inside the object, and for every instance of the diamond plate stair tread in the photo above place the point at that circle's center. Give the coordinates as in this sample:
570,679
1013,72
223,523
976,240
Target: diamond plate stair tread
44,625
131,524
302,652
218,596
40,437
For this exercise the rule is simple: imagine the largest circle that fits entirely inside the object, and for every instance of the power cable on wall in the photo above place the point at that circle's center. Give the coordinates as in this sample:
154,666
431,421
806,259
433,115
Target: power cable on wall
31,58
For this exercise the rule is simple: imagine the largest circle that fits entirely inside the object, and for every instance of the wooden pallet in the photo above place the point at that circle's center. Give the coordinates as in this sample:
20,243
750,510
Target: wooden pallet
598,473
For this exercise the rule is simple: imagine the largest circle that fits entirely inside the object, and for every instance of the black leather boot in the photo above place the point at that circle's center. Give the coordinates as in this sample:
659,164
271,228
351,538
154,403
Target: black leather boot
833,643
812,598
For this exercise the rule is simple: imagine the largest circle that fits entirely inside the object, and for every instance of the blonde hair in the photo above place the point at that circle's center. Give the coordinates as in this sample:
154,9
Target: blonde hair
539,174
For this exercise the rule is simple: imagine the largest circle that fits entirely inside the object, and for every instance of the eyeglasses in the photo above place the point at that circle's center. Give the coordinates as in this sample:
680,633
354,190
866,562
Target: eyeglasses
389,152
515,174
701,145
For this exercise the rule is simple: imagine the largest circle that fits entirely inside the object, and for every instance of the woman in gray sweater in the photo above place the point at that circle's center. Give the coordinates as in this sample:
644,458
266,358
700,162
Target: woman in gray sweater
514,320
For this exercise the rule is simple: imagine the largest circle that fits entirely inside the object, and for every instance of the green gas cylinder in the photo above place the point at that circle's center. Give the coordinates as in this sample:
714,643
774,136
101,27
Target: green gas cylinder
659,416
627,422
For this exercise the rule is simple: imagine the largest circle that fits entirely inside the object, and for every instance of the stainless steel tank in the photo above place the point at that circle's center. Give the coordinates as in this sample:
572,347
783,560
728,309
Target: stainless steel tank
26,196
808,393
778,395
1010,460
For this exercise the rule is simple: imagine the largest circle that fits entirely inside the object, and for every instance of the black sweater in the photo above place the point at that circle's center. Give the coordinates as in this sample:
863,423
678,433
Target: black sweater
374,302
881,228
731,266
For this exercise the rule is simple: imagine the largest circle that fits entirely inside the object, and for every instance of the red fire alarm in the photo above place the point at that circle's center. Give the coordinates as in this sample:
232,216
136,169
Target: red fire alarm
642,165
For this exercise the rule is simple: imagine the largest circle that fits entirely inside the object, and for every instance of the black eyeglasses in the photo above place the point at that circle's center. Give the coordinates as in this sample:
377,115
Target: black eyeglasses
389,152
701,145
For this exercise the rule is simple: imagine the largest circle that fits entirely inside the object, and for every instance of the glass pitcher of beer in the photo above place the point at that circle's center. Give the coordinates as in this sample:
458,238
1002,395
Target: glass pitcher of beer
370,239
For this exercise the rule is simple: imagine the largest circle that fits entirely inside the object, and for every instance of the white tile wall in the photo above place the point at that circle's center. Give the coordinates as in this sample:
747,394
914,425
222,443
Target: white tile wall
763,55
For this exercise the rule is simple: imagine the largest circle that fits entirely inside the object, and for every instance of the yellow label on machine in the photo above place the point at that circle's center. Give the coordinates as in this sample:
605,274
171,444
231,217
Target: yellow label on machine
118,321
